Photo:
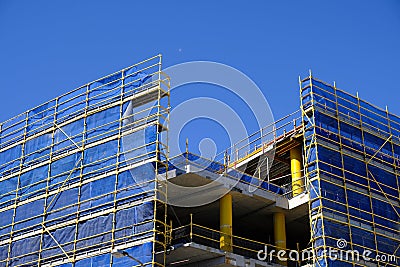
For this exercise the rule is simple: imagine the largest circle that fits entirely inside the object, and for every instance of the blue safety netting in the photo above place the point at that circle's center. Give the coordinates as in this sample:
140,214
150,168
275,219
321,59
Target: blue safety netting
351,142
109,185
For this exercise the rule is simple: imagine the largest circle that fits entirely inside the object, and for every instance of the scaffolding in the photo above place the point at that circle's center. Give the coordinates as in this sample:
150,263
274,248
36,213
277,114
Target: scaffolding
84,176
352,151
79,175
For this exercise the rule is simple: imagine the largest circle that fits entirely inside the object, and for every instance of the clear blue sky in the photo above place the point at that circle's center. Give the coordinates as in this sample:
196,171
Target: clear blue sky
50,47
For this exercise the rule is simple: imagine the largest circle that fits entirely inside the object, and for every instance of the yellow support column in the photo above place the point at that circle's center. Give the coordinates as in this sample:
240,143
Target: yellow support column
295,167
225,221
280,235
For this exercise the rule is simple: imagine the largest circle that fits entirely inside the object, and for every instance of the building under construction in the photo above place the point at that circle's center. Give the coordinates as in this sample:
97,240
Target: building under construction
84,182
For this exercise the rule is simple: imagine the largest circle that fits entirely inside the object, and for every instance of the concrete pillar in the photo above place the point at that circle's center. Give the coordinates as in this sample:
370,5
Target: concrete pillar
280,233
225,221
295,167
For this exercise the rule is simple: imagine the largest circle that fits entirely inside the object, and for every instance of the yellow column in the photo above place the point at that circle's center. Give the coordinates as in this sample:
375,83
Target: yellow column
295,167
280,234
225,221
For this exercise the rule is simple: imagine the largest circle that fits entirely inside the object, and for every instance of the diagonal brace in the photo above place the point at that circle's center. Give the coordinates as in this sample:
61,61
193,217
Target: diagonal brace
65,181
58,127
58,244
